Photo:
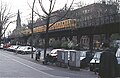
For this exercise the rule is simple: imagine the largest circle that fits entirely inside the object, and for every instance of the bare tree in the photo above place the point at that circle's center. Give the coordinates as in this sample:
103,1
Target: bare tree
48,15
5,18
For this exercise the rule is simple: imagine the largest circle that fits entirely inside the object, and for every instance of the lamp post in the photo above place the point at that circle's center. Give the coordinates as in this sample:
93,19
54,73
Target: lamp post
32,30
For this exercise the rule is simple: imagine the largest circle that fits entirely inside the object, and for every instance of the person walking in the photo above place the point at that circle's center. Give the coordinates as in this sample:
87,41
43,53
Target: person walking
108,63
38,54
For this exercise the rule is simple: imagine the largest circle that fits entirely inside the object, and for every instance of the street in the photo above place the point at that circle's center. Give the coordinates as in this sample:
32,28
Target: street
12,66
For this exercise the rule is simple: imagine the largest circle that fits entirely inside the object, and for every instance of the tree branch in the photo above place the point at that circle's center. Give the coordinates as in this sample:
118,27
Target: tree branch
6,28
50,11
43,9
35,11
53,6
63,15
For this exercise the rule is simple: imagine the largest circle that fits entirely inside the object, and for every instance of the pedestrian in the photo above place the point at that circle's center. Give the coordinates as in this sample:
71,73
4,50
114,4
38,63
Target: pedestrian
38,54
108,63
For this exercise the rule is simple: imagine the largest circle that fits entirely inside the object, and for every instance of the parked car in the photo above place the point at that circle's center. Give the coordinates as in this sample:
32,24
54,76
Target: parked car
6,45
25,49
12,48
1,46
94,63
54,52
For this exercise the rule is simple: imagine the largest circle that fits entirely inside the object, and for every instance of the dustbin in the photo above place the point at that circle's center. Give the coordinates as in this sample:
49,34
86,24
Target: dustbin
62,58
74,62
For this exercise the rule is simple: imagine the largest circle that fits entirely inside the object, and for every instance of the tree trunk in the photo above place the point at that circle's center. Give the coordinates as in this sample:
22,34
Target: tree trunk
46,37
91,43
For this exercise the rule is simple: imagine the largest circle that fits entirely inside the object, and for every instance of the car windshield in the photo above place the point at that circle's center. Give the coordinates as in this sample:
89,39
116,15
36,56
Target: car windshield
55,50
29,48
97,55
83,54
21,47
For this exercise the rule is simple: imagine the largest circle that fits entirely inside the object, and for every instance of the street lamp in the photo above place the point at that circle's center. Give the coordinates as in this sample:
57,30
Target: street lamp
32,30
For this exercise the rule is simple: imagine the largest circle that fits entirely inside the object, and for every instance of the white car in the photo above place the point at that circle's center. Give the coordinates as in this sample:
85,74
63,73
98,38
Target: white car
12,48
54,52
1,46
25,49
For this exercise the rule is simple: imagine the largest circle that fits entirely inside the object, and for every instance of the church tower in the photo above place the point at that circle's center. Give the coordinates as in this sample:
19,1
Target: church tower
18,21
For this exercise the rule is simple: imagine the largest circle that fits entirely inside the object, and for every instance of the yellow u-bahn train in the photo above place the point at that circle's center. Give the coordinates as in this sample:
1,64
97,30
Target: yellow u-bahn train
64,24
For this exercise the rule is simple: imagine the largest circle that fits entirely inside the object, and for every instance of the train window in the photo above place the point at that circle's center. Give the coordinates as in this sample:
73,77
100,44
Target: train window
66,22
60,23
56,24
63,23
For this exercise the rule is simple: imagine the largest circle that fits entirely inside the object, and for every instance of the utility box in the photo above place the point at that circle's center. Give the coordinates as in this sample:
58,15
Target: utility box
62,58
74,62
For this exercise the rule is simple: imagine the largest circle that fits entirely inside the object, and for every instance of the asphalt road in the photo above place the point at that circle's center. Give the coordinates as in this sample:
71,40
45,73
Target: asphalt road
12,66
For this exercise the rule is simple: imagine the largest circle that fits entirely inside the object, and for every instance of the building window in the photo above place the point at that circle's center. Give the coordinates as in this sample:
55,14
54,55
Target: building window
85,11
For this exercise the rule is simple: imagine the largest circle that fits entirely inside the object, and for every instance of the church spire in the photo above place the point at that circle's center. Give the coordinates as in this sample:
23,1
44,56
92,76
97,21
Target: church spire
18,22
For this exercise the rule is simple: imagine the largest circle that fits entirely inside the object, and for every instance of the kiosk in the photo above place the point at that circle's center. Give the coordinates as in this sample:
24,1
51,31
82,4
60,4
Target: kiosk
62,58
74,62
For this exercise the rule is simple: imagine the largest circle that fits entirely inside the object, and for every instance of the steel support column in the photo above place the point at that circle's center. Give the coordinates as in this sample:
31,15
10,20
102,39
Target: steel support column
91,42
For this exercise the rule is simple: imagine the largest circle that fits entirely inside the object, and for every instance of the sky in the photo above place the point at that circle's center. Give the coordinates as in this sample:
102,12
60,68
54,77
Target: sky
25,10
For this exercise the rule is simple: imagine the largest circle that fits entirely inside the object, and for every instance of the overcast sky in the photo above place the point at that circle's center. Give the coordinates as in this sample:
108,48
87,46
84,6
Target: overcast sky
25,10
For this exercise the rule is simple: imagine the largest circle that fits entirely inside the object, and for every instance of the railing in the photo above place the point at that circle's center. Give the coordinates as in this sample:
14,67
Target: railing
115,18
